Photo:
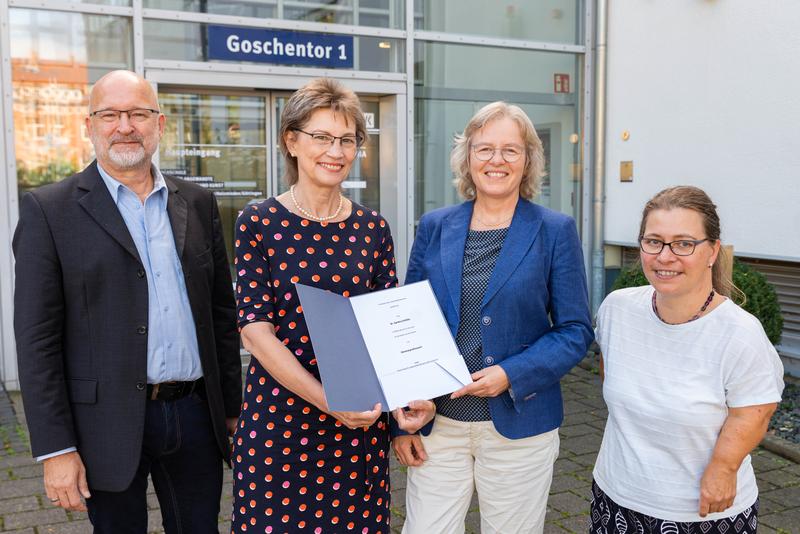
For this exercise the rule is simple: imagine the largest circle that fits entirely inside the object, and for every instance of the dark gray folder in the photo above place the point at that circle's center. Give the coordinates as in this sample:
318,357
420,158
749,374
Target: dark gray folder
348,376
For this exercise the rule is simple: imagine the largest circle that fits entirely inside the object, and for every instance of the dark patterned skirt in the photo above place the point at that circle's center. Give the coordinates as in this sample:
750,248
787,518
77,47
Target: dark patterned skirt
607,517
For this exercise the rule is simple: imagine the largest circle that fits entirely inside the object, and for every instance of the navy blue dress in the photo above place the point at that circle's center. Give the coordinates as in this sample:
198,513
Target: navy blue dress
295,468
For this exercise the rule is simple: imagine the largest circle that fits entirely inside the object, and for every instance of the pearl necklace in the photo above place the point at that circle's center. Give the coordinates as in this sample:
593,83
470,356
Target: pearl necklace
315,217
694,317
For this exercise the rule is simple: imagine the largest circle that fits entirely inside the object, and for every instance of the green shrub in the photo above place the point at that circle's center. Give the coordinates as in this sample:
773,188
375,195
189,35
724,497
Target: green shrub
630,277
761,299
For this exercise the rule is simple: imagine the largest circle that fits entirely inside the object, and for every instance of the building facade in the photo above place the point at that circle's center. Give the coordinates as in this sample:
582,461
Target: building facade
705,93
223,70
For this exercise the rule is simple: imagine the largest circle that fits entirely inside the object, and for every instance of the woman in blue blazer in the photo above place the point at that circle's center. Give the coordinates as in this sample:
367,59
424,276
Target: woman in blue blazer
509,277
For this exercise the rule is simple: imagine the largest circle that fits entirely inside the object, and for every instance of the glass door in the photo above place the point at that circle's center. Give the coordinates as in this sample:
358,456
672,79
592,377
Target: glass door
226,141
218,141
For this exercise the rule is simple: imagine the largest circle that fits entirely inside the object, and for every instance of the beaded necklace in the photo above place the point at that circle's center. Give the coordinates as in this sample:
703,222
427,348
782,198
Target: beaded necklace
695,316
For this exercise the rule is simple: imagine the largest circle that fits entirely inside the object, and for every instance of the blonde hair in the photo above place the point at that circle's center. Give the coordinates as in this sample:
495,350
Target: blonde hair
534,154
320,93
695,199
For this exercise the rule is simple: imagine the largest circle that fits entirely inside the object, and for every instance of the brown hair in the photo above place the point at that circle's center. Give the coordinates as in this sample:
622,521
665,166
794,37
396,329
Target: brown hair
534,154
320,93
695,199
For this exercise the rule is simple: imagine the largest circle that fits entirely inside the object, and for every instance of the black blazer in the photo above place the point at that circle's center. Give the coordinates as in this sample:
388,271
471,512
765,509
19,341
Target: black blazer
80,318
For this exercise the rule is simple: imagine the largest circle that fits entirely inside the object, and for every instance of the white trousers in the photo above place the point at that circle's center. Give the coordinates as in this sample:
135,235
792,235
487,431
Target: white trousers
512,477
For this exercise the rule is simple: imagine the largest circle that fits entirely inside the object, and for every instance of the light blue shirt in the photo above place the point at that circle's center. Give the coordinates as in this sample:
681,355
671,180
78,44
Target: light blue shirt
172,352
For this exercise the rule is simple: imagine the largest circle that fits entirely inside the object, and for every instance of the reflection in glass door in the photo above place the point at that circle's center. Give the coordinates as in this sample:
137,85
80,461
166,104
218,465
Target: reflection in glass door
219,142
227,142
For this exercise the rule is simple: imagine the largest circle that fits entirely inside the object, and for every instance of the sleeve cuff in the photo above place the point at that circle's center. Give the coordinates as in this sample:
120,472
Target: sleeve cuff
54,454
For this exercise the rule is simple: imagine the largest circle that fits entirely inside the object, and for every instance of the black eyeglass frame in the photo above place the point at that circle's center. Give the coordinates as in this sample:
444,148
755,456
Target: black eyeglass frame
125,111
694,242
359,139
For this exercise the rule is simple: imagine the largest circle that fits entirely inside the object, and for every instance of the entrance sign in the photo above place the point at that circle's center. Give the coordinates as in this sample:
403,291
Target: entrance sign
369,118
280,47
233,188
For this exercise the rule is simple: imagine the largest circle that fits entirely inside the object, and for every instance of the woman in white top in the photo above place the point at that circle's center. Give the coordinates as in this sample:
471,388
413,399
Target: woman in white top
690,380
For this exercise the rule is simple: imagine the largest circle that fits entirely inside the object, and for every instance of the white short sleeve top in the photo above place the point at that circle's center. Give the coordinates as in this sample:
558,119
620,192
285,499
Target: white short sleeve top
668,389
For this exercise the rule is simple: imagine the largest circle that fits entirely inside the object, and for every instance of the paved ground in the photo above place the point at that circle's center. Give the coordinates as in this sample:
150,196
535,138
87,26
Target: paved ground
24,508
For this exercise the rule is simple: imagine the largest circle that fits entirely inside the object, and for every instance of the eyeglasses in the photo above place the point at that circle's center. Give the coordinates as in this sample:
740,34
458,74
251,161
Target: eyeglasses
137,115
347,142
510,153
680,247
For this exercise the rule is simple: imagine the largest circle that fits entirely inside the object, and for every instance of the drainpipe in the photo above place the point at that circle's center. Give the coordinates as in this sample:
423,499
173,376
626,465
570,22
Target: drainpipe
598,191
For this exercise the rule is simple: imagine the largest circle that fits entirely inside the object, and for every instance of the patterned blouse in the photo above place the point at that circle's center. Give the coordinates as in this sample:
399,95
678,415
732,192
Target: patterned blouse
480,254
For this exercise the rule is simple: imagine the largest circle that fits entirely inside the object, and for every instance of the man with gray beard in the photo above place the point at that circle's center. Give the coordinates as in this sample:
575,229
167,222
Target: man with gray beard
125,327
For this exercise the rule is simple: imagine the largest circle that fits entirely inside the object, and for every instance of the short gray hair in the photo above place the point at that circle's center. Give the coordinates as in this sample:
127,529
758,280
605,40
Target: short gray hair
534,154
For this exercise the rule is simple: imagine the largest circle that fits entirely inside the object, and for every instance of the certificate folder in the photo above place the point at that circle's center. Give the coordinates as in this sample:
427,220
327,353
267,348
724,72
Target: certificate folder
390,346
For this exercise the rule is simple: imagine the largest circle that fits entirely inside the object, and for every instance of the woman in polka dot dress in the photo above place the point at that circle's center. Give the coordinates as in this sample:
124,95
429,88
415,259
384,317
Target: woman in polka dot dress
299,467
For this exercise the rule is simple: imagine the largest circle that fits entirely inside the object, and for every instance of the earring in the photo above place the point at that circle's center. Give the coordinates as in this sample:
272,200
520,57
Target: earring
710,265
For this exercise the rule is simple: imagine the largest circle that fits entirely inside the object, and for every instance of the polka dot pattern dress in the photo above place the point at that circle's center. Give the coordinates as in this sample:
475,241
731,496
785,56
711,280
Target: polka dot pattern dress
295,468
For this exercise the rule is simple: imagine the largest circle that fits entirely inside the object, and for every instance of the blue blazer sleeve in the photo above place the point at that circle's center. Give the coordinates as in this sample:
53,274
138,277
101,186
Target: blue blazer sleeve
551,356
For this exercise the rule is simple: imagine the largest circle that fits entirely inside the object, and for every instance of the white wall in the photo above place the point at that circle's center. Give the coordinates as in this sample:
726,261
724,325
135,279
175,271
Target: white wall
710,92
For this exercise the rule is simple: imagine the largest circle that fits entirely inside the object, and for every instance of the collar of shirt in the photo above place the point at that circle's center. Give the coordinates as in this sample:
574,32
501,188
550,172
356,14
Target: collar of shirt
114,185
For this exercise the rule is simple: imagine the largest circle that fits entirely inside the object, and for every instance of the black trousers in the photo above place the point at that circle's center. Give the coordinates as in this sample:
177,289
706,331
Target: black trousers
607,517
180,452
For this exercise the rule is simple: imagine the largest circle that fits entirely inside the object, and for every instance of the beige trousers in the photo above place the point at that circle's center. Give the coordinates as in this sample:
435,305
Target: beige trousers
512,477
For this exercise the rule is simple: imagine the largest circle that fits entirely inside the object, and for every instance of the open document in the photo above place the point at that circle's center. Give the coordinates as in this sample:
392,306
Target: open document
391,346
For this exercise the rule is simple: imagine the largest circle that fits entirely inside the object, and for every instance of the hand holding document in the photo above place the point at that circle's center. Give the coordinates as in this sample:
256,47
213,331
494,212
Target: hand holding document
418,414
391,346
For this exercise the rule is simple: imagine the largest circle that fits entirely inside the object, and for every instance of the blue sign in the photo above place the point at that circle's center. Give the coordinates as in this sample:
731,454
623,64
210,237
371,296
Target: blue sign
280,47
